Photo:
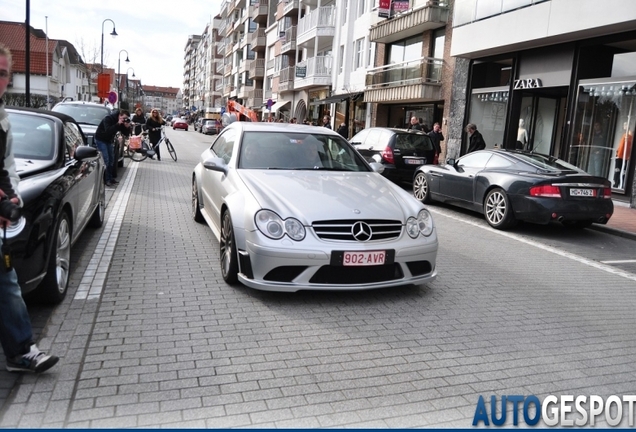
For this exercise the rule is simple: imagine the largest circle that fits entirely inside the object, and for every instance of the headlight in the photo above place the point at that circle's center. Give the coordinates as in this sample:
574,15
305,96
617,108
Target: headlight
423,224
270,224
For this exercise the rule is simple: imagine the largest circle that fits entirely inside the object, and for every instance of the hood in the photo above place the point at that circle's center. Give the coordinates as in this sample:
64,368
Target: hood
316,195
27,166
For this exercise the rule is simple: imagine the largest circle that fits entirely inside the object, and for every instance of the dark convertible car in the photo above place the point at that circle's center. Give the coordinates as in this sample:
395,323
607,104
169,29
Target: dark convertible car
507,186
63,192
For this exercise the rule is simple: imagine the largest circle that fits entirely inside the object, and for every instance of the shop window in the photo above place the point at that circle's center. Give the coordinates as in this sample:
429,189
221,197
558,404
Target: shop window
488,109
604,126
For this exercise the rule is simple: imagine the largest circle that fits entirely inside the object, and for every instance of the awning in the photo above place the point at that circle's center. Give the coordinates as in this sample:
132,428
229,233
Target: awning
277,106
338,98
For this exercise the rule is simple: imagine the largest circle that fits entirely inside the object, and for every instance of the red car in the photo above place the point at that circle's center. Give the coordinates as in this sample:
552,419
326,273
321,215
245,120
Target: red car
180,124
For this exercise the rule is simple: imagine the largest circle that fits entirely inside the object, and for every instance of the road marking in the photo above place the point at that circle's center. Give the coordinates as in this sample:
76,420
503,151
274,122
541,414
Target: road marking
620,262
94,277
574,257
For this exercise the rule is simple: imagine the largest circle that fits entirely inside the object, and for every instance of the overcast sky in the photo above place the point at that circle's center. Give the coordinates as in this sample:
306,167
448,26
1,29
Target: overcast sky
153,32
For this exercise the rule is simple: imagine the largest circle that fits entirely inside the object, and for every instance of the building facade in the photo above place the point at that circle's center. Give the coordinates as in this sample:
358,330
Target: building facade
565,85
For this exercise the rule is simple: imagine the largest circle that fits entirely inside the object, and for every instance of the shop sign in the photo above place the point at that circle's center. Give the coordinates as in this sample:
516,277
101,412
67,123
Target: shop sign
384,9
521,84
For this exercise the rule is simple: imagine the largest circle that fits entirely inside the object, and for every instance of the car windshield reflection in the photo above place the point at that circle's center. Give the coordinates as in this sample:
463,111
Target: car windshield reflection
298,151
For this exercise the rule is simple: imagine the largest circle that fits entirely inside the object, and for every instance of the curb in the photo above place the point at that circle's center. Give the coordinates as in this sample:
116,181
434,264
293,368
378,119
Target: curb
614,231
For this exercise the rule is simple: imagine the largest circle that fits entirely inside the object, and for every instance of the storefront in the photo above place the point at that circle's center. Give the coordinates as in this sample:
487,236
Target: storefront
574,101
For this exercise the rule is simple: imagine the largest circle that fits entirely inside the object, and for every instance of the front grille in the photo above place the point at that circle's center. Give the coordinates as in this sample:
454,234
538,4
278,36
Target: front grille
356,275
342,229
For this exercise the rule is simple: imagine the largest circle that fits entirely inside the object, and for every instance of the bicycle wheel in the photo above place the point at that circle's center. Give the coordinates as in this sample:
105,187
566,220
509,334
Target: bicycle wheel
173,154
138,155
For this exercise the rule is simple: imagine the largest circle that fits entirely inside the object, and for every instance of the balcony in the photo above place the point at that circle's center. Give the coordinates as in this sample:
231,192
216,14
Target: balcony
258,40
315,71
219,86
228,89
219,67
258,12
229,47
255,98
288,44
257,68
286,79
245,65
414,80
228,70
410,23
319,22
287,8
242,91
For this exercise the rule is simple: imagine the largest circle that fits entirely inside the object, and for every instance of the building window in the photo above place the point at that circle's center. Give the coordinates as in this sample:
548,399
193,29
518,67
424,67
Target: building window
341,59
359,53
362,5
370,54
405,50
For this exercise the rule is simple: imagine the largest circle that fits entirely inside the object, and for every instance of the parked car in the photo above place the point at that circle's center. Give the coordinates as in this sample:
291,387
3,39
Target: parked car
208,127
63,192
296,207
400,151
179,124
89,115
507,186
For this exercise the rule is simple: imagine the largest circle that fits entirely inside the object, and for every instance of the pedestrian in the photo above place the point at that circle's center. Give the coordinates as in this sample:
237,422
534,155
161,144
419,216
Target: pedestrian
326,121
415,124
294,120
16,332
343,131
118,121
437,137
475,140
139,119
153,125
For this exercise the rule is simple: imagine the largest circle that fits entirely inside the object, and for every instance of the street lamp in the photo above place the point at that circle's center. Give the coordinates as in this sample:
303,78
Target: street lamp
119,76
133,75
113,34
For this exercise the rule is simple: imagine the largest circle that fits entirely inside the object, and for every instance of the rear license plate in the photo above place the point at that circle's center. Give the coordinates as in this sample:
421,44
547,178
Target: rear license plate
583,192
415,161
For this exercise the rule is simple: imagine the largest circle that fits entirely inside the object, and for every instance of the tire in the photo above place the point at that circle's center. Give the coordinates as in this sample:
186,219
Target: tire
196,208
173,154
54,286
227,253
141,154
186,129
497,210
97,218
421,188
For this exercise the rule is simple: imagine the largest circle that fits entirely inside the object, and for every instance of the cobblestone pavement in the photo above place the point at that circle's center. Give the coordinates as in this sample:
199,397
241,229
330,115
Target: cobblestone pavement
168,344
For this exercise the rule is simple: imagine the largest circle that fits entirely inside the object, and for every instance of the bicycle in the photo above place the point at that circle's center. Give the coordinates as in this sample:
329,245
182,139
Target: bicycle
139,147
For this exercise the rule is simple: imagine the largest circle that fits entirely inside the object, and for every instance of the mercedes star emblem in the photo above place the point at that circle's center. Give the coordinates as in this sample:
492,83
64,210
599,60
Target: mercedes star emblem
361,231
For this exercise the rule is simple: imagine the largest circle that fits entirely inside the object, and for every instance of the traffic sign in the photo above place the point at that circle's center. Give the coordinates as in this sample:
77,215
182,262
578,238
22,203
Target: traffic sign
112,97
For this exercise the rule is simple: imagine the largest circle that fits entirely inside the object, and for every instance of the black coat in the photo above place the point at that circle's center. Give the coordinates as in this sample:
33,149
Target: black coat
109,127
437,138
476,142
343,131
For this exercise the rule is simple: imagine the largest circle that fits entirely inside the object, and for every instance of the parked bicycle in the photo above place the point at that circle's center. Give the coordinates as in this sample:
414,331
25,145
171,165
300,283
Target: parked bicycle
139,146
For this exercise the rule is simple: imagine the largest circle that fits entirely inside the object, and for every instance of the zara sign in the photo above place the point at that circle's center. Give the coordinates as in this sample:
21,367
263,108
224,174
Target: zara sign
527,83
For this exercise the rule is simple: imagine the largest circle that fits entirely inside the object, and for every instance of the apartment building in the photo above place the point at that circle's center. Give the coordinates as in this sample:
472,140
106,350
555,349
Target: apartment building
190,71
564,69
168,100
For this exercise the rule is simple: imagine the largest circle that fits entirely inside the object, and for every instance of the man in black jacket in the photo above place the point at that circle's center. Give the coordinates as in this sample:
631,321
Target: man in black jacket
118,121
437,137
475,140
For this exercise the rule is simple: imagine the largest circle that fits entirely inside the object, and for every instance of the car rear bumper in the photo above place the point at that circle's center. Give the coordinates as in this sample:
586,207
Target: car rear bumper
545,210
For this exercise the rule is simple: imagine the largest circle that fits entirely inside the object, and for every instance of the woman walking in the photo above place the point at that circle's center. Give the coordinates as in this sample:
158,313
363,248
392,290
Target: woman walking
153,125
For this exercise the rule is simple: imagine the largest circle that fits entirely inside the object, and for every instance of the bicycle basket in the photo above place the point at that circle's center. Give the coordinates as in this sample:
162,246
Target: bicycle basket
134,143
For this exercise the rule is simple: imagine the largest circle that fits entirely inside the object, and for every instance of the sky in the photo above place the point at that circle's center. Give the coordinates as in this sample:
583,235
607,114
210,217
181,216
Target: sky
154,33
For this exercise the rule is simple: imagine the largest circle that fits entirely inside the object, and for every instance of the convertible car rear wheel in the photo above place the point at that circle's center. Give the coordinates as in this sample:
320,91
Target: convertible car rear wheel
421,188
498,210
229,257
55,284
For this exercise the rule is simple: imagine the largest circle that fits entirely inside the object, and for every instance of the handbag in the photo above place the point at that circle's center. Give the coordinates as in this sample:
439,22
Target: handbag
134,143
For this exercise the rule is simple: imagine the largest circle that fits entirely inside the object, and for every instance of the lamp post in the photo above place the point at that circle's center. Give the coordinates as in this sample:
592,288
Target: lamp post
119,76
133,75
113,34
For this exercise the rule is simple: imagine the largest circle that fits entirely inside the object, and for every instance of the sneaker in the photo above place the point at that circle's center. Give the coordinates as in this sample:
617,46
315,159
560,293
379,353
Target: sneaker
113,181
109,184
33,361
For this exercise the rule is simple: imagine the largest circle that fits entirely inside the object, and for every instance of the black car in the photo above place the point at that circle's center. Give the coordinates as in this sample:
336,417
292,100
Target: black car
508,186
400,151
89,115
63,192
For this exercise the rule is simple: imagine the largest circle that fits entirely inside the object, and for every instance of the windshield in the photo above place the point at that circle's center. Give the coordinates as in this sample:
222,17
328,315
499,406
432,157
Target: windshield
298,151
547,163
33,137
84,113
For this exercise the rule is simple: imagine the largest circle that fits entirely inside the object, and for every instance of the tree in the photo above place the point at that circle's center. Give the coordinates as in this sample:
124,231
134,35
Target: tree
91,56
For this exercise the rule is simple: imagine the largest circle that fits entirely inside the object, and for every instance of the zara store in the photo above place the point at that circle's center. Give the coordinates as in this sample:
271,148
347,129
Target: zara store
575,101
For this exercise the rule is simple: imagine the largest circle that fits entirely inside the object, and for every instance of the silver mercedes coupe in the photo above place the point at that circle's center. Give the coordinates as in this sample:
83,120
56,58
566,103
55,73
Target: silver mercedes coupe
295,207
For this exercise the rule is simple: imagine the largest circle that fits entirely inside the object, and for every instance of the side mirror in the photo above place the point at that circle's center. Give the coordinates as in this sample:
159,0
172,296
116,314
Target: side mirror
377,167
85,152
450,161
216,164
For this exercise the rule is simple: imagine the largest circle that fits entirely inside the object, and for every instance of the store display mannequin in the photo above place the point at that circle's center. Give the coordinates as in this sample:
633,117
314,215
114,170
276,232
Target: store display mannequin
622,157
522,135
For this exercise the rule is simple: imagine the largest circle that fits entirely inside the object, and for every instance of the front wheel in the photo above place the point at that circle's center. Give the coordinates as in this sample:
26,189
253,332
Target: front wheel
228,255
421,188
498,210
173,154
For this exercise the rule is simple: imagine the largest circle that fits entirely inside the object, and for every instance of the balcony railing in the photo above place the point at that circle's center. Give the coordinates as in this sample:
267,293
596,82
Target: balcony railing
258,11
313,71
289,43
289,7
255,98
286,80
319,22
258,40
257,68
228,69
425,69
412,22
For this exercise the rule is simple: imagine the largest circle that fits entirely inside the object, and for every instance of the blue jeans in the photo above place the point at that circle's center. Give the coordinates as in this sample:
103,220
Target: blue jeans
108,153
16,335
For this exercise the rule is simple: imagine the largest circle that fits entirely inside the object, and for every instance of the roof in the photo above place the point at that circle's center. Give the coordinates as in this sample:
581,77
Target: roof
12,34
282,127
58,115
